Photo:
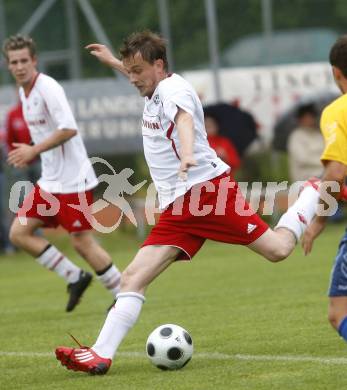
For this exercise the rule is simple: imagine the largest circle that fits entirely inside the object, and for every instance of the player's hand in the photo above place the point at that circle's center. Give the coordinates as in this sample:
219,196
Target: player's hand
186,163
102,53
311,233
21,155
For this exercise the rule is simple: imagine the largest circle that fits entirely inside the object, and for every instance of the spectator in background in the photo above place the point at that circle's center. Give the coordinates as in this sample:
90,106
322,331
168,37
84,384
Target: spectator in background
222,145
17,132
237,125
305,145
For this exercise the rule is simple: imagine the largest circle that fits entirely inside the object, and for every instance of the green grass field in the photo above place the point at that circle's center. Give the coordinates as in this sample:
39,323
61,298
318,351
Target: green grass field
255,325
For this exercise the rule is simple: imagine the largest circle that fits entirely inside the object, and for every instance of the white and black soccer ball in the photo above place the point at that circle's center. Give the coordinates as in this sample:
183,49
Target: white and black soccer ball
169,347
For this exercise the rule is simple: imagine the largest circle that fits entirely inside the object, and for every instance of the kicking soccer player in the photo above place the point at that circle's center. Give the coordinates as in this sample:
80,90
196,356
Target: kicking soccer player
56,140
199,198
334,159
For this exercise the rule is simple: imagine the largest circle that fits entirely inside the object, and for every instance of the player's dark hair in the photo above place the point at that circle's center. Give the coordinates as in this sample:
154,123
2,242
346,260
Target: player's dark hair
308,108
17,42
151,46
338,54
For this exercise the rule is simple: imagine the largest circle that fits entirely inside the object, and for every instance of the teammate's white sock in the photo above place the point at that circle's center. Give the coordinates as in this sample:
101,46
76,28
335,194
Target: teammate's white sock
301,213
120,319
52,259
110,278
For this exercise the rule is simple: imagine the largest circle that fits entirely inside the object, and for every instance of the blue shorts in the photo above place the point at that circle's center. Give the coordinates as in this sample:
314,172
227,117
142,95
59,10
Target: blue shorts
338,280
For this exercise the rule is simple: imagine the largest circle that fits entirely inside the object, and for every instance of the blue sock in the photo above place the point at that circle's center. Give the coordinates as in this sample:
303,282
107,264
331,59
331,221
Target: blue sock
343,329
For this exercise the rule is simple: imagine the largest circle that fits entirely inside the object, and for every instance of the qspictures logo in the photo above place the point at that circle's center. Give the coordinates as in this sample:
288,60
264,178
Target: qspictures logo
119,191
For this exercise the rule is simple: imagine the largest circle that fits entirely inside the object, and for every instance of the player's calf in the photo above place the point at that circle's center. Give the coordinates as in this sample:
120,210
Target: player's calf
275,246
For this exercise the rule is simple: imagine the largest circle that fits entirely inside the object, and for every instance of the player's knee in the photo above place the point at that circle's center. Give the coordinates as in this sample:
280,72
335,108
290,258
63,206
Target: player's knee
15,237
81,245
335,317
332,320
278,254
127,279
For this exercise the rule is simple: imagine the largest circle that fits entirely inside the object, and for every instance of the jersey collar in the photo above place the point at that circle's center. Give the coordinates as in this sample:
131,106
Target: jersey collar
32,85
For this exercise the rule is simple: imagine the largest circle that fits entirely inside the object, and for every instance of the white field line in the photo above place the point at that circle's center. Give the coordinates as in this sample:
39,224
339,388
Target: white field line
208,356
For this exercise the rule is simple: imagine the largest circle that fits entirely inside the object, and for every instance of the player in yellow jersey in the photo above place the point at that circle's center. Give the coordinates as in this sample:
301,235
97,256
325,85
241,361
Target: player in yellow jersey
334,159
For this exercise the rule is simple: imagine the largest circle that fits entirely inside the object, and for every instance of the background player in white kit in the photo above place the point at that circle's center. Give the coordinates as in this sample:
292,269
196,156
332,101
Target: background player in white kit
56,140
184,168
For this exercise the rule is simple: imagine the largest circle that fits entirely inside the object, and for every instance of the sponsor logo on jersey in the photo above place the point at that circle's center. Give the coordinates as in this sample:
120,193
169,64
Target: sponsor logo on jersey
156,99
150,125
37,122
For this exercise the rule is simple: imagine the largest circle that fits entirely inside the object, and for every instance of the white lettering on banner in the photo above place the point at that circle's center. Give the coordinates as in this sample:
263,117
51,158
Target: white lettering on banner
110,128
266,92
99,107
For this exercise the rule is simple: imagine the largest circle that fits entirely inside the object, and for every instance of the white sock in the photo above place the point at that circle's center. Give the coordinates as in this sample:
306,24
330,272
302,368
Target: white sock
110,278
301,213
54,260
120,319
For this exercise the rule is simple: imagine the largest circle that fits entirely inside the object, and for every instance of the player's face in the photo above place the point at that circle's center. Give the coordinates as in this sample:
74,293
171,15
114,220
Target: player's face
22,66
143,75
211,126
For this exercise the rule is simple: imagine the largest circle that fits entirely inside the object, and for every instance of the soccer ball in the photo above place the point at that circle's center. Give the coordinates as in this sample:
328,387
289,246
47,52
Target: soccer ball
169,347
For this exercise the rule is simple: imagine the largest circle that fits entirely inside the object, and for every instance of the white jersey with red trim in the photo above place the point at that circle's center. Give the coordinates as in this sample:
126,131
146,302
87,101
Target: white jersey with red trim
46,110
161,142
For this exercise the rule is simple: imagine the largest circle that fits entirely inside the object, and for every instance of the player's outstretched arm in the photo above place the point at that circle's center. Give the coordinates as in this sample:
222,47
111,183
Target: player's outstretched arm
104,55
311,233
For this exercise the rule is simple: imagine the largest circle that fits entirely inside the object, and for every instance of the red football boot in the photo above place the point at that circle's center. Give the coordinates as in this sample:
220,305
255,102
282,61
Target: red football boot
82,359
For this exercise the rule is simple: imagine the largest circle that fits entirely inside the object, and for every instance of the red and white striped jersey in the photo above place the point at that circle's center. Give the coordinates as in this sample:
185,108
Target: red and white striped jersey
161,142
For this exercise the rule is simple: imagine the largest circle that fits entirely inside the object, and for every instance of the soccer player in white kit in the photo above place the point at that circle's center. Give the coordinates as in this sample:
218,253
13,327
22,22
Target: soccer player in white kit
56,140
198,197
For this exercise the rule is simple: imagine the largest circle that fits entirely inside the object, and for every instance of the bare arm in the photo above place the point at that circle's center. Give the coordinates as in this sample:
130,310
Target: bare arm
185,128
58,138
104,55
334,172
23,153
